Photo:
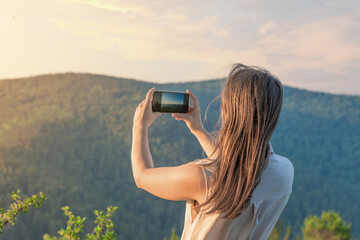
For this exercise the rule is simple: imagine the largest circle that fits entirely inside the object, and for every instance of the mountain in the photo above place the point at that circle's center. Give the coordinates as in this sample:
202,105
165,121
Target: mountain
69,136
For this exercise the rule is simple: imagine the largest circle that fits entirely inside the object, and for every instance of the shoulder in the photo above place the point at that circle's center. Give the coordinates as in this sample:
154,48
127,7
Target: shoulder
207,171
277,178
192,168
196,168
201,162
281,166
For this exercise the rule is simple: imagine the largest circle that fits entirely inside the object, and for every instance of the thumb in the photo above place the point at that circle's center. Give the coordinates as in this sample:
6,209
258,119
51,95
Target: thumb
149,95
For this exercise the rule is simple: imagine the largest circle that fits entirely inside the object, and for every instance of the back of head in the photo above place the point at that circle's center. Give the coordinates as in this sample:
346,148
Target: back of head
251,102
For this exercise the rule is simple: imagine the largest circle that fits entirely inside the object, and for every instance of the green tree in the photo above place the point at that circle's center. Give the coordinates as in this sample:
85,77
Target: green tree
173,235
279,233
19,205
104,229
329,226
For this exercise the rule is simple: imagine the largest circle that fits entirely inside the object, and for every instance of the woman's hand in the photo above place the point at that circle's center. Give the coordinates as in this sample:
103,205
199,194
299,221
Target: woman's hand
144,116
193,121
193,117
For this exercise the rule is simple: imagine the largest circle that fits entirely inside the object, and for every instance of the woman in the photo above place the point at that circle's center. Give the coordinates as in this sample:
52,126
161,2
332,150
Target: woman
239,191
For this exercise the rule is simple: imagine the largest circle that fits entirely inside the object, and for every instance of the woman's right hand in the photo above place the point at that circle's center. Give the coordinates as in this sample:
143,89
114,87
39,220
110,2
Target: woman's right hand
193,117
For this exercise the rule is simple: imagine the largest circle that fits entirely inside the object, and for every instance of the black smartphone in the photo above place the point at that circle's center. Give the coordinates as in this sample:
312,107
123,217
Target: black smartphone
170,102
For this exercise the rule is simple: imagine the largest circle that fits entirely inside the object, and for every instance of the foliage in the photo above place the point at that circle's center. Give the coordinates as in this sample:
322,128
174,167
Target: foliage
69,135
104,229
329,226
279,233
74,227
48,237
173,235
19,205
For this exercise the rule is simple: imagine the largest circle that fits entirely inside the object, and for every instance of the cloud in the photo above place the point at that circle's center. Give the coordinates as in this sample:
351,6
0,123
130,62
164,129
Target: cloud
314,45
268,26
108,5
145,35
287,37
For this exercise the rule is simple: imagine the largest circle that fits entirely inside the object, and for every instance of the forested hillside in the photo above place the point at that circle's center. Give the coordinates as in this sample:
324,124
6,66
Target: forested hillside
69,135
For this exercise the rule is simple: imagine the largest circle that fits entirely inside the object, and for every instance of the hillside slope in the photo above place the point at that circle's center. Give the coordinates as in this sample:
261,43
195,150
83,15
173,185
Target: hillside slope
69,136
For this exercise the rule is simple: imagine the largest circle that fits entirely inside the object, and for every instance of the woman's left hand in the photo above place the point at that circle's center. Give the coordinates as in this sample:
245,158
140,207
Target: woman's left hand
144,116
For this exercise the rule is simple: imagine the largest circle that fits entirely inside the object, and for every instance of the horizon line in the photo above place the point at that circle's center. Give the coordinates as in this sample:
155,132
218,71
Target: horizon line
165,83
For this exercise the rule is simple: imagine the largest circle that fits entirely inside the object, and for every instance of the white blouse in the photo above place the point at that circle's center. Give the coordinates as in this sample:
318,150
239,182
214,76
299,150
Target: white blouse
257,221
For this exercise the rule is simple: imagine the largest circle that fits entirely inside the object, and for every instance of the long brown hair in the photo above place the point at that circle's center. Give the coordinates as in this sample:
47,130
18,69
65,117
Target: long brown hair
251,102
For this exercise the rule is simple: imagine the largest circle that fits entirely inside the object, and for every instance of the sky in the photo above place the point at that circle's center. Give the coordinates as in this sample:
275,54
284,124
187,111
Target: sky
310,44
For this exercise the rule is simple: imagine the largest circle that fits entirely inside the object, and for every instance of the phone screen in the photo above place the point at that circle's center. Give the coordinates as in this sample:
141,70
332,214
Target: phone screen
170,102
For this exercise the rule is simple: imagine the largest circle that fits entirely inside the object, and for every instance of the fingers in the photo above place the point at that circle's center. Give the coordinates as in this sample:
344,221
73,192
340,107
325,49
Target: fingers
194,98
140,104
180,116
149,95
176,115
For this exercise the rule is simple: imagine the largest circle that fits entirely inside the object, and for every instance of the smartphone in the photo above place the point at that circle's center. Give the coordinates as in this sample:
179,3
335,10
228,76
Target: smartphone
170,102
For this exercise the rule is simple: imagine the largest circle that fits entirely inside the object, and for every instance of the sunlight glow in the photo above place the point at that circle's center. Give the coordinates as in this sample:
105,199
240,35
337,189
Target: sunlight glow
185,41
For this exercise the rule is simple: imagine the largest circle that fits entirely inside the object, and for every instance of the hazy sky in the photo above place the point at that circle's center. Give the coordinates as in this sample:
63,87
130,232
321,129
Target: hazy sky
307,43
